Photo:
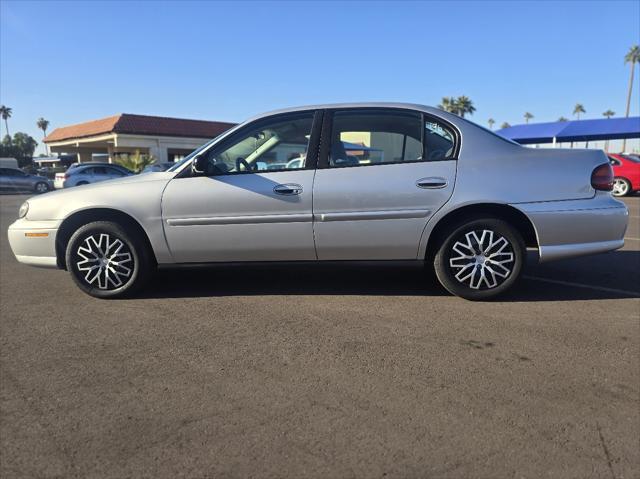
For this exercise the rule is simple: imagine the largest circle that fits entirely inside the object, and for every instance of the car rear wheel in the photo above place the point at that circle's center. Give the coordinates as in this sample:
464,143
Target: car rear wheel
480,259
105,261
621,187
80,183
41,187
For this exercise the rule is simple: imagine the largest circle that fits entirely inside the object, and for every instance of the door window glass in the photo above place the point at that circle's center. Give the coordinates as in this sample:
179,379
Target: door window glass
375,137
272,145
439,141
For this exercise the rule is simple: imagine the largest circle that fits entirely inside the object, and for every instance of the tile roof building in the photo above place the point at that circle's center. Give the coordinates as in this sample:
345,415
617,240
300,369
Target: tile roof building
167,139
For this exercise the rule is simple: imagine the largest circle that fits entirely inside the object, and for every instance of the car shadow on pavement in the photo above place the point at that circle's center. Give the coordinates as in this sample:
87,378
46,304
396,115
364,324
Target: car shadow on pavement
395,279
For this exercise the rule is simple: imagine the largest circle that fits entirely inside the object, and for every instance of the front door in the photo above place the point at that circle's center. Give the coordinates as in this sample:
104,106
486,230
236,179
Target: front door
382,173
253,201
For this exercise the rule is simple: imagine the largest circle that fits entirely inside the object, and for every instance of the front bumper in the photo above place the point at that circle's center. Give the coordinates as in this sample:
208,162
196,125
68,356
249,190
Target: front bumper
567,229
34,242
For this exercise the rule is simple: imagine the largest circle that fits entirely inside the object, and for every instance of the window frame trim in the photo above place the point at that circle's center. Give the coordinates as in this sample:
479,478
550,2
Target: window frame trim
327,126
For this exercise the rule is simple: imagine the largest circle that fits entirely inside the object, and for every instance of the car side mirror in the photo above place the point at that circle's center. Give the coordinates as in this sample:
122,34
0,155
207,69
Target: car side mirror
199,164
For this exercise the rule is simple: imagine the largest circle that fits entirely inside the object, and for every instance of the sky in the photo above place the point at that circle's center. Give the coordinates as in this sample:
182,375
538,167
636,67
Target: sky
75,61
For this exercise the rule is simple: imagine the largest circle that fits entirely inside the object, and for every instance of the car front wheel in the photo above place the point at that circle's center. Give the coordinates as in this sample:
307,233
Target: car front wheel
105,261
621,187
41,187
480,259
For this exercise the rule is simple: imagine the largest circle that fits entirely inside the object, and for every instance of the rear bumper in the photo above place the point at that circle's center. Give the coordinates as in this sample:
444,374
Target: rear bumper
34,242
567,229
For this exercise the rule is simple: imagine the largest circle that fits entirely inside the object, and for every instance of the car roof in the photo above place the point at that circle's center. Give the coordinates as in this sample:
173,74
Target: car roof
379,104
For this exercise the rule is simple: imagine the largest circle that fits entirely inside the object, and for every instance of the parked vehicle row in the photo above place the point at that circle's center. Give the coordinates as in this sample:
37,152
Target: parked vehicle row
417,184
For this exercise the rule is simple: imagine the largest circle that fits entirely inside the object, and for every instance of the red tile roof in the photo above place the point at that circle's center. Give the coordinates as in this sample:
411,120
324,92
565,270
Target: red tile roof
140,125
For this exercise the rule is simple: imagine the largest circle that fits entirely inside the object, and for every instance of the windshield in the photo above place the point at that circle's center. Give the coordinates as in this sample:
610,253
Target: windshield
634,158
190,156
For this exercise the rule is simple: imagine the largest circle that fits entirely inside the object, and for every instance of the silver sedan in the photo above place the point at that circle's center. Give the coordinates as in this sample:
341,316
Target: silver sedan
14,180
372,181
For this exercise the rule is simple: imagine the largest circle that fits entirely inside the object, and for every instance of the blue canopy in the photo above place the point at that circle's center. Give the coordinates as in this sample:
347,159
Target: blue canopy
580,130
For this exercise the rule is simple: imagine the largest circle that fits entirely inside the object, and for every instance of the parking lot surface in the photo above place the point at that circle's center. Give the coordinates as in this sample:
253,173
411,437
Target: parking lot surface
322,371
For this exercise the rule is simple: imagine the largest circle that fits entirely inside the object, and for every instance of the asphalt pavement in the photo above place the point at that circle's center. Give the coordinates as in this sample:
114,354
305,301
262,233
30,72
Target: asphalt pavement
322,371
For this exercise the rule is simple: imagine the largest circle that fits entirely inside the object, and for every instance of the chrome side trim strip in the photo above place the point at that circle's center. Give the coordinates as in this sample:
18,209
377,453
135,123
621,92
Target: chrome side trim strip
372,215
238,220
562,251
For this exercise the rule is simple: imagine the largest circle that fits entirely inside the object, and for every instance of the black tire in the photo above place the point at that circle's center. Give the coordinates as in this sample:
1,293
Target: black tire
103,236
454,275
626,188
41,187
80,183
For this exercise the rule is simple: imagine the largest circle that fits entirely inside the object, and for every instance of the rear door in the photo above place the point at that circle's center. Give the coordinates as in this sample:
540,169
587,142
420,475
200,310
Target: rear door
381,174
253,202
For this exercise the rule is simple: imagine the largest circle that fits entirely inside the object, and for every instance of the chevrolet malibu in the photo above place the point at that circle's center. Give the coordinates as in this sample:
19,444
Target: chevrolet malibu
372,182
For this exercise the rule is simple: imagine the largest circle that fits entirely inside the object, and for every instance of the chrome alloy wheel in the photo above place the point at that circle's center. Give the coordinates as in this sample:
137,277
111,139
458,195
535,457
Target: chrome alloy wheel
42,187
105,261
620,187
482,260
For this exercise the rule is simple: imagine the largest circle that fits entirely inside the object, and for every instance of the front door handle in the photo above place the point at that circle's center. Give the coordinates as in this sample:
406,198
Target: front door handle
432,183
288,189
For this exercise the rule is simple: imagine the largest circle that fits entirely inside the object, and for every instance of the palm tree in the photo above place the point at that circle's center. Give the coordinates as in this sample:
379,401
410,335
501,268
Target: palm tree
448,104
562,118
578,109
464,106
43,125
527,117
491,122
5,113
505,125
632,57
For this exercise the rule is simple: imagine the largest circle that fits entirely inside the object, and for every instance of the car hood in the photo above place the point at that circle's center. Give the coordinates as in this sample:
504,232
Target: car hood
57,204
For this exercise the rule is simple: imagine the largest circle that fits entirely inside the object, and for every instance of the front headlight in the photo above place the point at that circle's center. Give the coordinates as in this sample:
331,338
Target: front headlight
24,209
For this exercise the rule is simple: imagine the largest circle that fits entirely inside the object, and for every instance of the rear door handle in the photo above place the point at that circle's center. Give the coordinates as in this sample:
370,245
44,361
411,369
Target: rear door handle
288,189
432,183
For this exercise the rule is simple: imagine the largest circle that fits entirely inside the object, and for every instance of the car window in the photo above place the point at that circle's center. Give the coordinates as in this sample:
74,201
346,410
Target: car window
361,138
99,170
439,140
12,172
278,143
115,172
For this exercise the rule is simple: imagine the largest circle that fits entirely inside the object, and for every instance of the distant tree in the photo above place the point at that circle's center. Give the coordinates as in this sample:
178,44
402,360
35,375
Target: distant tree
527,117
5,113
562,118
464,106
20,147
609,114
448,103
491,122
578,109
632,57
136,161
505,125
43,125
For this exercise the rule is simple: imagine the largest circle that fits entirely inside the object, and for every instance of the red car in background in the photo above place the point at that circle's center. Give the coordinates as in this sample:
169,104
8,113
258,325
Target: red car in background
626,170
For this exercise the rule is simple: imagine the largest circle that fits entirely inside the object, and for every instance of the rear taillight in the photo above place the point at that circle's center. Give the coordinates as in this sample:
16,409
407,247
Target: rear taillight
602,178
